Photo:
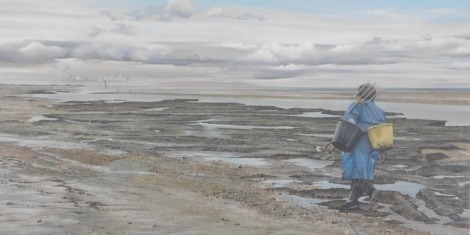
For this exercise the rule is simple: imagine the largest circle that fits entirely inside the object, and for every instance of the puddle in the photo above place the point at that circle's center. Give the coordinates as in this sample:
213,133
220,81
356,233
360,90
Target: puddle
312,164
462,184
240,161
156,109
115,101
437,228
399,166
21,141
465,213
316,115
319,135
403,187
445,195
430,213
447,176
240,127
328,185
203,154
40,118
209,131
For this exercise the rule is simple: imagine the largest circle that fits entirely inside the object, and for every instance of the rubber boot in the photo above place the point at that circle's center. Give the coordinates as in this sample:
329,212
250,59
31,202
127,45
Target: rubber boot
352,203
374,203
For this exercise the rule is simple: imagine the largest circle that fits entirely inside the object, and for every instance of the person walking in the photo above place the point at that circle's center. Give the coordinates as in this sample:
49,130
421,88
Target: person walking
358,165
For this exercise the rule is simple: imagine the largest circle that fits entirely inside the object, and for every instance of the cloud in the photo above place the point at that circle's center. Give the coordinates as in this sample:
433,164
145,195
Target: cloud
310,54
122,28
215,12
27,52
94,32
460,66
251,16
13,51
109,15
464,36
252,43
290,59
179,8
119,28
236,14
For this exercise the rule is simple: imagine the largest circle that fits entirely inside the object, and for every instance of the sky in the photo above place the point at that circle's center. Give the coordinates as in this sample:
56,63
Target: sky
241,43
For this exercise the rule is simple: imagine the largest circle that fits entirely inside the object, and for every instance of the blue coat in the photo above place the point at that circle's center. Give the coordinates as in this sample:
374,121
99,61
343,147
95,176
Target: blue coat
360,162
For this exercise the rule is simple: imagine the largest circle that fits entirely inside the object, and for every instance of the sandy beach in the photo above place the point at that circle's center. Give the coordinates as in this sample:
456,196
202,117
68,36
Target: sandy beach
184,165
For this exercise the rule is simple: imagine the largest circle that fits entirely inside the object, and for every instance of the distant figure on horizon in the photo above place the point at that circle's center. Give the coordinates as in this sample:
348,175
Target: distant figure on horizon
359,164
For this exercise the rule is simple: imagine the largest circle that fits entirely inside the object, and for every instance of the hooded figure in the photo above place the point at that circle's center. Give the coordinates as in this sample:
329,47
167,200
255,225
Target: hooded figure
359,164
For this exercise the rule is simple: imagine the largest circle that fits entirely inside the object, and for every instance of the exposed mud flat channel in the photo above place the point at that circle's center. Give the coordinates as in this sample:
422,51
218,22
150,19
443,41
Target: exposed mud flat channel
423,180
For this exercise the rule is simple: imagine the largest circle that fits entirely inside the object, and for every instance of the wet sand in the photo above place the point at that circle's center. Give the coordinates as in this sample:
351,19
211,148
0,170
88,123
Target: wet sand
190,167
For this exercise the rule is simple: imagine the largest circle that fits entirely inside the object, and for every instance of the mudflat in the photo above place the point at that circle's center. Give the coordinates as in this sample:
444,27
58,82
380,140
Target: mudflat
185,166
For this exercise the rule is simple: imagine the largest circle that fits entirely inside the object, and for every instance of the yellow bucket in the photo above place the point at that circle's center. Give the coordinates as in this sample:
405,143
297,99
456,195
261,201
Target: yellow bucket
381,136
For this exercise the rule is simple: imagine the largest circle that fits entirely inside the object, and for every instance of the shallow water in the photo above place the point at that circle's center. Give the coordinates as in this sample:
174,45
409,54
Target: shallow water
240,127
40,118
39,142
455,115
403,187
448,176
399,166
319,135
465,213
156,109
462,184
312,164
316,115
328,185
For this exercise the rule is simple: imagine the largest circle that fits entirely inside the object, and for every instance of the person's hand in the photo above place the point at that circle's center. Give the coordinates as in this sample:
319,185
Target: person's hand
381,158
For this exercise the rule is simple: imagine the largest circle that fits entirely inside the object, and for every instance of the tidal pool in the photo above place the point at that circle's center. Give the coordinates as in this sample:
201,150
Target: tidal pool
312,164
403,187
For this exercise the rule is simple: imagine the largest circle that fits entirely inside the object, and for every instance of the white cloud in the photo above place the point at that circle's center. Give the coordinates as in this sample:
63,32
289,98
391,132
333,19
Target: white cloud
216,12
235,13
238,42
35,51
460,65
179,8
26,52
173,9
